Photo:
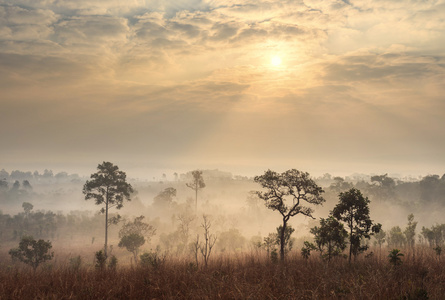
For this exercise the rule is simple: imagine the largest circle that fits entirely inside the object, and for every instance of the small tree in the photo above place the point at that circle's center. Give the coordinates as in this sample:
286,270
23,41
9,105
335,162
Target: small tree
132,235
209,240
196,184
306,249
395,257
396,237
288,242
410,231
32,252
286,192
132,243
353,209
108,187
27,207
330,237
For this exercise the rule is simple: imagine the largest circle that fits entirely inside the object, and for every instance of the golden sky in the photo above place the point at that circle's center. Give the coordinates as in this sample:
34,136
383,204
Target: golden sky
321,86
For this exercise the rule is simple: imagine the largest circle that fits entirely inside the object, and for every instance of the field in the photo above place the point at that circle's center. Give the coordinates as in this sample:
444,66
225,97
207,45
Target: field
239,276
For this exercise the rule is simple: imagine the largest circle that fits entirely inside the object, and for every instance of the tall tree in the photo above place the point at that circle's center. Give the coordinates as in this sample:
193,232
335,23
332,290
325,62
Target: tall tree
196,184
353,209
286,192
108,187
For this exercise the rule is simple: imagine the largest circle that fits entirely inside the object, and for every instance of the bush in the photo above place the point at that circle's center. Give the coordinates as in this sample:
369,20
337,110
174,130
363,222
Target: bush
32,252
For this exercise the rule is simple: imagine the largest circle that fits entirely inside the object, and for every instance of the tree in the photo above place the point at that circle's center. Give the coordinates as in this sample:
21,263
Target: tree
32,252
286,192
196,184
27,207
288,242
165,198
108,186
396,237
209,240
330,237
395,257
132,243
410,231
132,235
353,209
380,238
138,226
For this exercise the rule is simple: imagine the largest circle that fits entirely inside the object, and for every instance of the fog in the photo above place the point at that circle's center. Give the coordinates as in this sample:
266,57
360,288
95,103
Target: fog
238,218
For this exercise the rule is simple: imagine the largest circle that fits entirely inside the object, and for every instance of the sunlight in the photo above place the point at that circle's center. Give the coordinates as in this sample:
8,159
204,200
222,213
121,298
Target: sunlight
276,61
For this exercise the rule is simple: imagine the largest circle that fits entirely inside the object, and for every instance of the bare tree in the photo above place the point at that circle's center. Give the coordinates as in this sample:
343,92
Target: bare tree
210,240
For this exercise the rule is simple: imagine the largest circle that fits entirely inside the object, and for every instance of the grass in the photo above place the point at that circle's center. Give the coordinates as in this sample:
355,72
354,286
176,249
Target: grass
235,277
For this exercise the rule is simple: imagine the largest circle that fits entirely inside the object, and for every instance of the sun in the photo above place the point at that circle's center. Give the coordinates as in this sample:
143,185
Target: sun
275,61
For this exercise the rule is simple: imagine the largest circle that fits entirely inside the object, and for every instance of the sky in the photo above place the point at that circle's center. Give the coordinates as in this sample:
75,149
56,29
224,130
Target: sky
242,86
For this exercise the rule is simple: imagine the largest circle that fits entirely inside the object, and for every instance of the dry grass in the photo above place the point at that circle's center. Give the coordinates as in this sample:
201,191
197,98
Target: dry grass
236,277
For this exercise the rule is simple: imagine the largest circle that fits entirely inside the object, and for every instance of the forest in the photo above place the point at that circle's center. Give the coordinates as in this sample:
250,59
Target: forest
209,234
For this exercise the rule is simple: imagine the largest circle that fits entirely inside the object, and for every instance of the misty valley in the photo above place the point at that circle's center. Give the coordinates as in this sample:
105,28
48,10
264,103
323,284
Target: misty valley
210,234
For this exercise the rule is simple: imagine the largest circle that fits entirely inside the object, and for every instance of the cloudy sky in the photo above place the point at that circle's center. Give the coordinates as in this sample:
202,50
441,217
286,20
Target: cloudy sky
317,85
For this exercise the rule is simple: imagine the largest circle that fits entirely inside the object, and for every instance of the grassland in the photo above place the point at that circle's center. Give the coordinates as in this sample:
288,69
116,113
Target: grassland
240,276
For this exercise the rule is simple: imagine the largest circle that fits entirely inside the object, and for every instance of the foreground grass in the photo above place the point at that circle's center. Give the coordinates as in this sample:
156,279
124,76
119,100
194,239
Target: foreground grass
246,277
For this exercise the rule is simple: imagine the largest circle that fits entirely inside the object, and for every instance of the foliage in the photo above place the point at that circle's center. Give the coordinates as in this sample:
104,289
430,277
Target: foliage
410,231
108,186
288,241
330,237
151,259
395,257
396,237
307,248
285,193
112,263
132,243
138,226
353,210
76,262
32,252
164,198
100,259
380,238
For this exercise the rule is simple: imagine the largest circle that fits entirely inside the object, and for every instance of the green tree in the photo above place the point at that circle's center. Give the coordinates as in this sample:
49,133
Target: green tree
396,237
132,243
380,238
286,192
410,231
196,184
32,252
330,237
288,242
108,187
353,210
133,235
395,257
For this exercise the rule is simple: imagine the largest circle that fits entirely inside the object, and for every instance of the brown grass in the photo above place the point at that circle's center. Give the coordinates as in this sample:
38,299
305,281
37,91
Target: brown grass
237,277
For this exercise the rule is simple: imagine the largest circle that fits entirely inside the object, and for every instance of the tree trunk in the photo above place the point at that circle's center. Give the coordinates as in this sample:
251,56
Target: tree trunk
283,230
106,227
196,198
350,242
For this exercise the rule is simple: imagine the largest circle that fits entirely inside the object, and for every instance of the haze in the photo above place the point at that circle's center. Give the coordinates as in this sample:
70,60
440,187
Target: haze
179,85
